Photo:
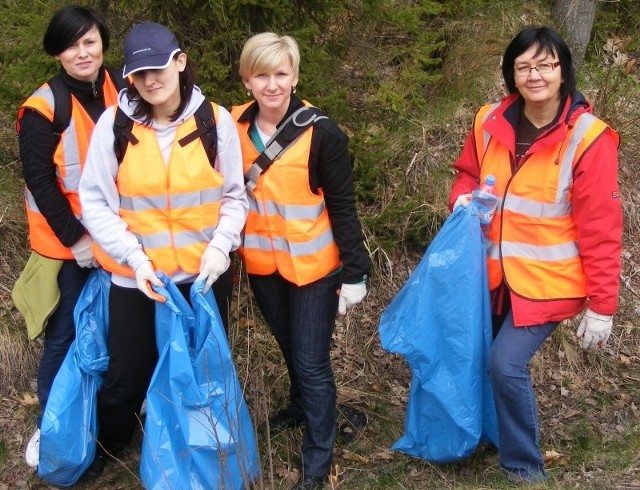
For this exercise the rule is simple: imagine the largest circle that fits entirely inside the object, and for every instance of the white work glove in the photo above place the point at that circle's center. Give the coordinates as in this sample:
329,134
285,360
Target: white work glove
463,200
350,295
145,277
212,264
82,252
594,329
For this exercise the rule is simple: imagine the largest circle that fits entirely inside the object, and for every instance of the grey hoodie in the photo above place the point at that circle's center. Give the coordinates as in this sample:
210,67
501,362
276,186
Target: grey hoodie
101,201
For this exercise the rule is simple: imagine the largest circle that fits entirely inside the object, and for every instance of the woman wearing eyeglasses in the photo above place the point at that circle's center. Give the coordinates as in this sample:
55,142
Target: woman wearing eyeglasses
553,247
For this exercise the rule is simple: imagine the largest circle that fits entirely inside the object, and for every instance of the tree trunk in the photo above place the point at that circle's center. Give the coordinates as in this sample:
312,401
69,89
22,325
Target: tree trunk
575,18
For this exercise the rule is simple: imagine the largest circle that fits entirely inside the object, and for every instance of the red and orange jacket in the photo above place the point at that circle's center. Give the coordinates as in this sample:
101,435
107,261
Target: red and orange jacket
565,188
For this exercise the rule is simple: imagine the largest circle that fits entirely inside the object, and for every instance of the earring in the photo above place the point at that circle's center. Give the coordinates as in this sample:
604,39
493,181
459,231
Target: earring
294,89
249,93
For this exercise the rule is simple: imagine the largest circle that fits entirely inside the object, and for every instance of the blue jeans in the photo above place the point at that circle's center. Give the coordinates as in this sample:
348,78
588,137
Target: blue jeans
60,329
302,319
518,431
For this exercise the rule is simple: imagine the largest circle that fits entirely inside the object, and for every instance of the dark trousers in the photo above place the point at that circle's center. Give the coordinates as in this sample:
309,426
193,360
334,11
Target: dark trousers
60,330
133,356
302,319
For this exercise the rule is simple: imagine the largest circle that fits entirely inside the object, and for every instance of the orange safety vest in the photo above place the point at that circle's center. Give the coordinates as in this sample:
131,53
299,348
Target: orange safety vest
532,239
288,228
69,158
173,209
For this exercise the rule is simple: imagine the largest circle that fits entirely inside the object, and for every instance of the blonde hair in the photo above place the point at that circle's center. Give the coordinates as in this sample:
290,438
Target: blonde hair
266,51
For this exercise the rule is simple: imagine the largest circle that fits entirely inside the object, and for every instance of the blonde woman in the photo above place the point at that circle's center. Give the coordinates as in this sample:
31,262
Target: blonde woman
302,245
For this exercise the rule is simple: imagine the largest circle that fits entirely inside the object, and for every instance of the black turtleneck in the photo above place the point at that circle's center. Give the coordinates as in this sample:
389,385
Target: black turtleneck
37,146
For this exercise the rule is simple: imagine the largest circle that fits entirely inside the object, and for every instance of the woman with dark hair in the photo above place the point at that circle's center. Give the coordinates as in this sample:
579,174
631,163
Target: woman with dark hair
163,202
554,244
53,148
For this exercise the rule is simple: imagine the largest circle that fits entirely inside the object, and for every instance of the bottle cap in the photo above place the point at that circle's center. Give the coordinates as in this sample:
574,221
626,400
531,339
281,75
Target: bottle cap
490,180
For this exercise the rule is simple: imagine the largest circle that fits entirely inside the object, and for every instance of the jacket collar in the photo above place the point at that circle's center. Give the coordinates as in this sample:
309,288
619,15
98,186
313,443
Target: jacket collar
504,119
570,108
84,88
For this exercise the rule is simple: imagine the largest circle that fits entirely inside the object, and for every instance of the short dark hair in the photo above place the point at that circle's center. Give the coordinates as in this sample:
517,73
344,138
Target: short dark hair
71,23
144,110
547,39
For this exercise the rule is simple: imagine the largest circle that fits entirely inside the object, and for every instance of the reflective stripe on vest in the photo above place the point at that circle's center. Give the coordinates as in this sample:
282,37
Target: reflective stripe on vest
532,238
288,229
173,209
69,157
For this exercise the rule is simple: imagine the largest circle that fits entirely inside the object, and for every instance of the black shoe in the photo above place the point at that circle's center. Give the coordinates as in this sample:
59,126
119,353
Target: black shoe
282,420
96,468
310,483
353,422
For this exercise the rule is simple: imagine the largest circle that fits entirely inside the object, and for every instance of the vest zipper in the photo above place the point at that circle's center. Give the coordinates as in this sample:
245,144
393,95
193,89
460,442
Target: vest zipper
94,89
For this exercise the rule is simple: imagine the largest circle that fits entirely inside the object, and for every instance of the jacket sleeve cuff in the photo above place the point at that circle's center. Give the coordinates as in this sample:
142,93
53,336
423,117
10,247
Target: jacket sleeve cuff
222,243
136,258
354,278
603,308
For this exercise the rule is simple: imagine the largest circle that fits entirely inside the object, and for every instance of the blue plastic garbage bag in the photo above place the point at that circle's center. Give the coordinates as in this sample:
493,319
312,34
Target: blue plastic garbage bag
198,432
440,322
69,423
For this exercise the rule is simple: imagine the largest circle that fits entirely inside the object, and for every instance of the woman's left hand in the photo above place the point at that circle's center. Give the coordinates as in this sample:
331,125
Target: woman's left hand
350,295
212,264
594,329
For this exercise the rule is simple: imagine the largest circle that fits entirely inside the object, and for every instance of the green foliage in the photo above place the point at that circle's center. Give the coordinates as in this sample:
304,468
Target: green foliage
213,33
620,18
3,451
372,147
405,61
611,77
23,63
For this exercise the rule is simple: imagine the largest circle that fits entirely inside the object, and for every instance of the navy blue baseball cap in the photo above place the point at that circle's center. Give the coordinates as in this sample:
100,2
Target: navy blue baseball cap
148,46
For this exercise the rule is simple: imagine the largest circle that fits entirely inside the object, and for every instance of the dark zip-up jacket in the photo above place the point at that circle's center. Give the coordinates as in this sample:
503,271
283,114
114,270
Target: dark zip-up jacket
38,142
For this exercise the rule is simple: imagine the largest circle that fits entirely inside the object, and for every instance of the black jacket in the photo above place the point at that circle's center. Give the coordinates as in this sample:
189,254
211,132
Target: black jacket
38,143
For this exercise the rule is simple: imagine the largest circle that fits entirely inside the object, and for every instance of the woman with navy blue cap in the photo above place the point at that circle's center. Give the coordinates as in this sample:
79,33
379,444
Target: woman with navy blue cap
159,200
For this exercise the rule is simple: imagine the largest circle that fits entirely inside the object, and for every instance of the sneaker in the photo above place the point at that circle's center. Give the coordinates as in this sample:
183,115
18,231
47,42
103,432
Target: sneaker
32,454
282,420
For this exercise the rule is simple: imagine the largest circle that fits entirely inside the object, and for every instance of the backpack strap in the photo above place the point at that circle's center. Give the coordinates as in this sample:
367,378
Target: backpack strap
116,78
61,105
296,124
62,99
206,131
122,126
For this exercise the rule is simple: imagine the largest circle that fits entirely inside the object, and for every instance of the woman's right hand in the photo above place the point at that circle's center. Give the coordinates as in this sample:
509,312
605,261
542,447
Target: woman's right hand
463,200
145,277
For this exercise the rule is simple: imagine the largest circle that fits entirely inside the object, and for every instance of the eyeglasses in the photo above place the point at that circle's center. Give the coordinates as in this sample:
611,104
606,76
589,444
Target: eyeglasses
525,70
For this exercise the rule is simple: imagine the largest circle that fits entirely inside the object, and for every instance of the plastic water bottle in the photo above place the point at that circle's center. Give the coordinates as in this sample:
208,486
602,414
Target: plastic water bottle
486,201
